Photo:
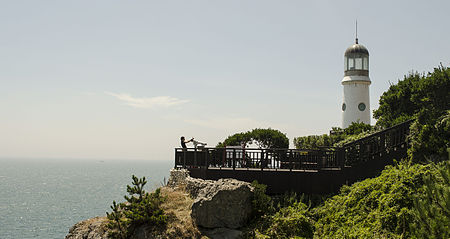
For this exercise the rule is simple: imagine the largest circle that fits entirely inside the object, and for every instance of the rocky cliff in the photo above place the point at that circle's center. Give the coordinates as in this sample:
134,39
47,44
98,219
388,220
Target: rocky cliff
196,208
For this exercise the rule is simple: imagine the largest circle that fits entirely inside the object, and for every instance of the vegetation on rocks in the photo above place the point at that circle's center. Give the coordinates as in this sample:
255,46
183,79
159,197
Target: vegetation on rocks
405,201
140,208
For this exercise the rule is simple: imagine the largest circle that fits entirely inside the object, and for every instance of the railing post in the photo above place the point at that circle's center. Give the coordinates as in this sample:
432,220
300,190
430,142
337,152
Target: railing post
184,157
195,157
291,159
262,159
206,157
234,159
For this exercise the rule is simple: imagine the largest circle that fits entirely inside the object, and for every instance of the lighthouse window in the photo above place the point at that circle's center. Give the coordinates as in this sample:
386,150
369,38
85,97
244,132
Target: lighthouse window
343,107
366,63
358,63
351,64
362,106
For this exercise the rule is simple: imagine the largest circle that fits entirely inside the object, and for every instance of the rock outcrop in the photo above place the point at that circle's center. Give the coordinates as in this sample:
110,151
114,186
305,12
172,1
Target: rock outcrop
94,228
177,177
225,203
218,209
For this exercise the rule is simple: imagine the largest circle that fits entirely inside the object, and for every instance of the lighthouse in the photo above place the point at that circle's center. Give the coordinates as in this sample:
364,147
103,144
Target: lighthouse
356,82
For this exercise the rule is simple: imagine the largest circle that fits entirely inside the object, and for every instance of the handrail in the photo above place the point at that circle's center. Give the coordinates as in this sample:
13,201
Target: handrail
250,158
388,143
408,122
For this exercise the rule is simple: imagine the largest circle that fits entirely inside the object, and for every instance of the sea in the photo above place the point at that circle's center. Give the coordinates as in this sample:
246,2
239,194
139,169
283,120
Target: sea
43,198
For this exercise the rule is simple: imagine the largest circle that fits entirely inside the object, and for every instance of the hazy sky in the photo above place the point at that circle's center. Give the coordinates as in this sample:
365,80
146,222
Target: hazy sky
125,79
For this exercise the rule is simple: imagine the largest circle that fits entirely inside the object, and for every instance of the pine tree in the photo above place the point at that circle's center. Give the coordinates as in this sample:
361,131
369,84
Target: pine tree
141,208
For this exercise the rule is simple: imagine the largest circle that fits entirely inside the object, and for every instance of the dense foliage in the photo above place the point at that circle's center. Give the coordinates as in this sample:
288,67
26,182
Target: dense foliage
433,209
426,99
278,217
405,201
140,208
336,137
381,207
263,138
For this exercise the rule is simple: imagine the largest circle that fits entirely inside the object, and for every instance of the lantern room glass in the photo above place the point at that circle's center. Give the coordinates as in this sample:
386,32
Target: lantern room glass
351,63
356,63
366,63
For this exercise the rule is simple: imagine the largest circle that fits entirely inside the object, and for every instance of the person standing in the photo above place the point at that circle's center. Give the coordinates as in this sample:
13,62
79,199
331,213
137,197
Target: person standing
184,142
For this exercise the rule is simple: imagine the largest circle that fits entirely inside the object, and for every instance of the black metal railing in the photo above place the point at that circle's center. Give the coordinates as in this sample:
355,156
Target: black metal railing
274,159
387,144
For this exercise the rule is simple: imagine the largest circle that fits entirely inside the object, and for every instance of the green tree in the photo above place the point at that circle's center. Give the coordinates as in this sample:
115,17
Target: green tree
263,138
269,138
336,136
426,99
141,208
238,139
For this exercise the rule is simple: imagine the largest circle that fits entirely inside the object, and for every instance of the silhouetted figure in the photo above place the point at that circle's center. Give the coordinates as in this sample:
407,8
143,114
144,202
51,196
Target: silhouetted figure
184,142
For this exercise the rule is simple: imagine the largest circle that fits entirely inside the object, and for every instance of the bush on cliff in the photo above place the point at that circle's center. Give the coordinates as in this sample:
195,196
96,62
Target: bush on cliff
381,207
433,210
405,201
140,208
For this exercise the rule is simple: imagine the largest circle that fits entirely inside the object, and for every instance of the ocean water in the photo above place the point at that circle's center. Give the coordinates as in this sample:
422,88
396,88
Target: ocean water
44,198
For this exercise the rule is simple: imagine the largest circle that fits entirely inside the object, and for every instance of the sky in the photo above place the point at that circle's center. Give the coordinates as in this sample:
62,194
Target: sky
109,79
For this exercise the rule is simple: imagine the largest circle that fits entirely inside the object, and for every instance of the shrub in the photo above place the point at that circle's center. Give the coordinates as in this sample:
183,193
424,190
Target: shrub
381,207
141,208
261,203
432,210
292,221
336,138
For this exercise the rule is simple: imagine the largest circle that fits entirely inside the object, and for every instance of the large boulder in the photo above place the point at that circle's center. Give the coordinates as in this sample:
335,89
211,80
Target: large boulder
195,185
225,203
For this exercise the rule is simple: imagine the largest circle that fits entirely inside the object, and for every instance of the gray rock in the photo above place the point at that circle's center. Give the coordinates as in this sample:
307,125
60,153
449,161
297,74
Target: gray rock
94,228
177,177
195,185
225,203
222,233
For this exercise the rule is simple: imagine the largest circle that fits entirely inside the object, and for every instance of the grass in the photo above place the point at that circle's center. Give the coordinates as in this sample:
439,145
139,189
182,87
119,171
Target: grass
178,208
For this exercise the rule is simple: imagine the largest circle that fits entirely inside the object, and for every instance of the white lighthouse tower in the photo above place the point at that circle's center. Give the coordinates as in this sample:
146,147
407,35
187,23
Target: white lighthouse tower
356,82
